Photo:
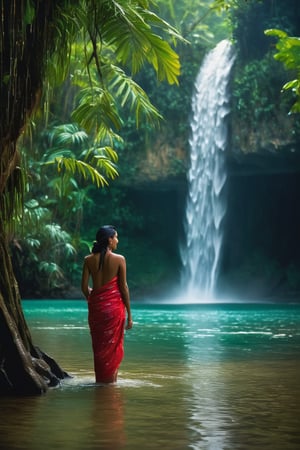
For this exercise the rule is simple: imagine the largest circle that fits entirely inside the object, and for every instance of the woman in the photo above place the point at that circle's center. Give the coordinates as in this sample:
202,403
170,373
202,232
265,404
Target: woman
107,301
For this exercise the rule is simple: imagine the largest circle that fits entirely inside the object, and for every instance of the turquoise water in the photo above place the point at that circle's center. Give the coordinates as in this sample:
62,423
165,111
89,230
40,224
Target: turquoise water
215,376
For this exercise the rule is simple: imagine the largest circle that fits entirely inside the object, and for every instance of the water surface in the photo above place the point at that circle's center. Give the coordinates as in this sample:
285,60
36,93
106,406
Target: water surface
194,377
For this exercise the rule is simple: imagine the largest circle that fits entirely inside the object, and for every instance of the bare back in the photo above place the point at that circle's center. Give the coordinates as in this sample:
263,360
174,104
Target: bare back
109,270
113,265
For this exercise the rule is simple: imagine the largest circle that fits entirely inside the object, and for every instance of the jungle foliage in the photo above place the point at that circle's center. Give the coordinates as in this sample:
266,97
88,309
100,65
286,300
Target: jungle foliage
265,102
257,82
36,42
288,52
258,98
72,203
98,97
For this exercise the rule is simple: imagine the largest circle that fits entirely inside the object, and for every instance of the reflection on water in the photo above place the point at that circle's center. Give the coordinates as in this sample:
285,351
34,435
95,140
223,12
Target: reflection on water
245,406
194,377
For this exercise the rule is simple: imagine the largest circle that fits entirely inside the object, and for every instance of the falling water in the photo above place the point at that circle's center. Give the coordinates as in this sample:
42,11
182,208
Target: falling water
206,201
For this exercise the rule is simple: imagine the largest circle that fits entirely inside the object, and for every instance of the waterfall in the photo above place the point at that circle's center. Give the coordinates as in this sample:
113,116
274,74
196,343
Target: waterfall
206,199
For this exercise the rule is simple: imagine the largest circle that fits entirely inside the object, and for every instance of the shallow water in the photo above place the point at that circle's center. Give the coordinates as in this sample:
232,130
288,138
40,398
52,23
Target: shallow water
194,377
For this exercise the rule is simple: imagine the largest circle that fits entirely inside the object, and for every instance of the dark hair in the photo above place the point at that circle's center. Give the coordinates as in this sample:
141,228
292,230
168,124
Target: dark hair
101,243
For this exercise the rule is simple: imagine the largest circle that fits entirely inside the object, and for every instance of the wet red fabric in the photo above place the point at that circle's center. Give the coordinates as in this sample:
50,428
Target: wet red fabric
106,318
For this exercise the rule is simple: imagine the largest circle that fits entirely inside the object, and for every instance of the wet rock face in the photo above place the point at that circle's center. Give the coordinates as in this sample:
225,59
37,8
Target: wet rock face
262,238
265,161
273,133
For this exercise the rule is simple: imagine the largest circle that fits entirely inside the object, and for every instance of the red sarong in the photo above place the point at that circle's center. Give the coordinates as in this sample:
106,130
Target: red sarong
107,320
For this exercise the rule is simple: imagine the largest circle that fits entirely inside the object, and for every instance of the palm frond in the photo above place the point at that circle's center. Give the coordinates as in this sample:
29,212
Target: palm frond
69,249
50,268
33,242
130,33
104,152
131,94
54,152
55,233
97,112
66,135
64,186
84,169
33,215
53,272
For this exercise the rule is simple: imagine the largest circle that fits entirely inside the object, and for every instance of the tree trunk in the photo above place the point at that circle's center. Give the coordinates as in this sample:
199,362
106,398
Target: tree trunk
26,32
24,369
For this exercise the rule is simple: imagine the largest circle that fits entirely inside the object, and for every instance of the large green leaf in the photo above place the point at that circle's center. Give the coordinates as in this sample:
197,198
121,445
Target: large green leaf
131,36
85,170
288,52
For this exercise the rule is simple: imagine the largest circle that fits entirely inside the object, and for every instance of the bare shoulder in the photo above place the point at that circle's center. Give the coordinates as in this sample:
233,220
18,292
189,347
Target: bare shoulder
90,260
117,257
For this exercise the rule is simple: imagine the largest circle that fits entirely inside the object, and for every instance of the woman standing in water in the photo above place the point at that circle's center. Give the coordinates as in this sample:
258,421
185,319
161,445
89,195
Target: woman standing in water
107,301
